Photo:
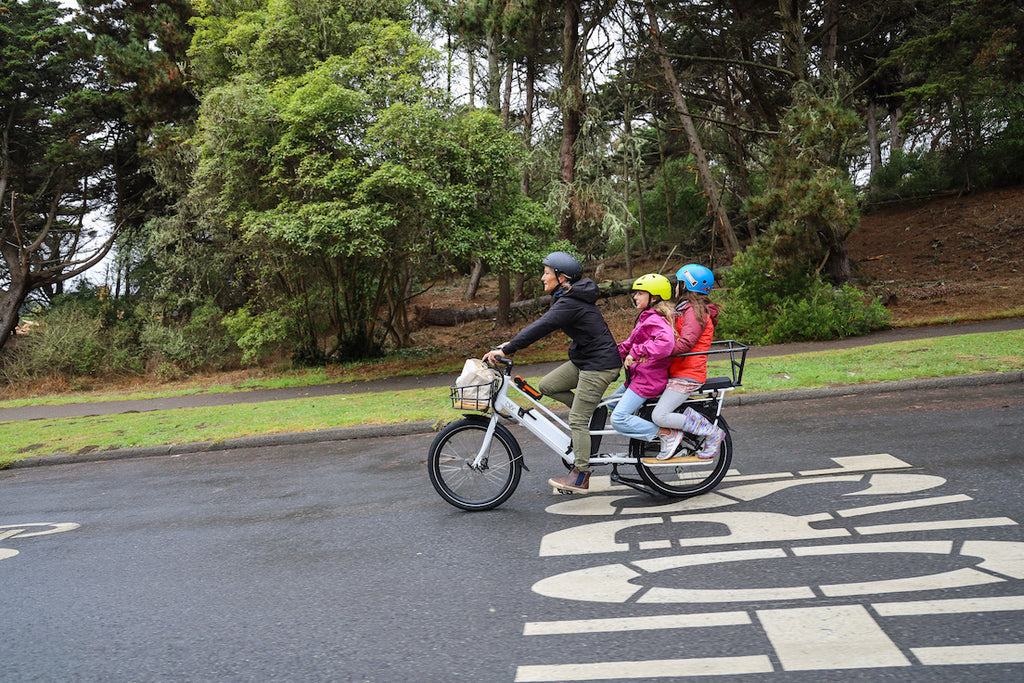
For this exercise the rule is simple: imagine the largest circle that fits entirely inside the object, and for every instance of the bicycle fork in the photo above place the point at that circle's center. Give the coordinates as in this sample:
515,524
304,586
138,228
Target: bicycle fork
485,445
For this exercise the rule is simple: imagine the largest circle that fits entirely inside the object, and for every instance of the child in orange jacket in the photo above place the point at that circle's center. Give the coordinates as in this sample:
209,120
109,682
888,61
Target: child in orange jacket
695,327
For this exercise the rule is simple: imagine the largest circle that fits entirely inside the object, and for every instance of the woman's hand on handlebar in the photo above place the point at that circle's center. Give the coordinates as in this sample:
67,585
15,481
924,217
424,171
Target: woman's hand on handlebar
494,357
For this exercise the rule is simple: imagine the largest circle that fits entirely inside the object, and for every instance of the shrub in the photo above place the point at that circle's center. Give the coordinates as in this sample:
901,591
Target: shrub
66,341
257,335
763,306
200,341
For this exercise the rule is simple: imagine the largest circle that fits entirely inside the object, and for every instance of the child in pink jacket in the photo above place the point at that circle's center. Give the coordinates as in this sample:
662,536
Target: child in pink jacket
646,356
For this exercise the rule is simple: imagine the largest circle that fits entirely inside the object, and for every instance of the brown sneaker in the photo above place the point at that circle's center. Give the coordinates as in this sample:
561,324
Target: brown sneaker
576,481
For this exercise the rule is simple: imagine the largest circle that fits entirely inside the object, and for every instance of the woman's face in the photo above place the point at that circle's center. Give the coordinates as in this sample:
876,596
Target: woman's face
641,298
549,280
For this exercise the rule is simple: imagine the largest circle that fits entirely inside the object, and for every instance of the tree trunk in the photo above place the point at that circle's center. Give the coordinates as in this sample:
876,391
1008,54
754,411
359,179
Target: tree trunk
493,75
665,182
838,263
896,140
793,52
874,149
504,315
530,78
742,178
830,49
732,245
632,164
474,280
10,302
572,116
506,100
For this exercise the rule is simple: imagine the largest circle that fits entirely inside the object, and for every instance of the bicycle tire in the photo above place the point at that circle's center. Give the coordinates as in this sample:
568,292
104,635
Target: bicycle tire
683,480
452,476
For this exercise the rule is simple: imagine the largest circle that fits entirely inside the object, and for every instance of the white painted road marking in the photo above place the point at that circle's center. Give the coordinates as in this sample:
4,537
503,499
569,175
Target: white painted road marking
655,668
58,527
20,531
799,638
616,582
1010,603
548,628
840,637
1003,653
803,638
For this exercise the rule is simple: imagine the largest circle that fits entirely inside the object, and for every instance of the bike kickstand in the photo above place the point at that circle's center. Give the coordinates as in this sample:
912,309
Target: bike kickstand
631,483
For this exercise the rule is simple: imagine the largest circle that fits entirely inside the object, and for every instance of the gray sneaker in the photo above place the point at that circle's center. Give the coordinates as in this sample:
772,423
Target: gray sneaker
669,443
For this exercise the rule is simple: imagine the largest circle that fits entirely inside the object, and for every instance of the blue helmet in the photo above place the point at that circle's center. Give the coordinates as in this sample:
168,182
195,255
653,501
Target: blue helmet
696,278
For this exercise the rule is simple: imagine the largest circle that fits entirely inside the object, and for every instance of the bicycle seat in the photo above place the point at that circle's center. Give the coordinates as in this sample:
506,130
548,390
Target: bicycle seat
716,383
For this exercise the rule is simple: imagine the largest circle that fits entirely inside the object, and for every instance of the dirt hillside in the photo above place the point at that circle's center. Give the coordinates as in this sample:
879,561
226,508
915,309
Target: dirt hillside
956,258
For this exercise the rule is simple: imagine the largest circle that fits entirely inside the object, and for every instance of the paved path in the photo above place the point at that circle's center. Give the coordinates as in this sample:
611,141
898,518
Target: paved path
444,380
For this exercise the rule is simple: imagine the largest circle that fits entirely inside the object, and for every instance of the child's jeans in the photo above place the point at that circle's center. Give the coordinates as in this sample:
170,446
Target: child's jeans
625,420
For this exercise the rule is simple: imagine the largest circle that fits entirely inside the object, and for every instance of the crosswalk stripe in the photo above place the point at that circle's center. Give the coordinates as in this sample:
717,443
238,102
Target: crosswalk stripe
659,668
548,628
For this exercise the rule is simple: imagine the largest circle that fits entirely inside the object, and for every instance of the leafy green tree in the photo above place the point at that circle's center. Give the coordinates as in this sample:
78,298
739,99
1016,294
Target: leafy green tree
351,182
53,152
962,71
810,203
676,193
143,93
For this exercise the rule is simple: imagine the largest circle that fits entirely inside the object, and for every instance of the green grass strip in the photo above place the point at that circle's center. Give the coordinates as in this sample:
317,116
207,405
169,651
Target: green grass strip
938,357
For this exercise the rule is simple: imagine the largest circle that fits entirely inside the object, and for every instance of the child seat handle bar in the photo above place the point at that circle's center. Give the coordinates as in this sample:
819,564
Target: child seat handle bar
737,356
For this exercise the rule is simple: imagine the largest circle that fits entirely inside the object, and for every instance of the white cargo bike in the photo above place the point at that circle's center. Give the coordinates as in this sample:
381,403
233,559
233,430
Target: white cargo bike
475,463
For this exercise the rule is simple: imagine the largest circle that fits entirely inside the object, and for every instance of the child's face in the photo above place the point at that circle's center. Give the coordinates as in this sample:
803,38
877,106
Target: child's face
641,299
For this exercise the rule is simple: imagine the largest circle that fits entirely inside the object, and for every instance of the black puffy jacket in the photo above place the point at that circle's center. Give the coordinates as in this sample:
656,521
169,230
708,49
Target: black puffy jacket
575,314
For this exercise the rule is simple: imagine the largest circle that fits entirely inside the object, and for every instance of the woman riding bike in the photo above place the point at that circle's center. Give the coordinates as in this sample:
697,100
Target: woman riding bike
593,363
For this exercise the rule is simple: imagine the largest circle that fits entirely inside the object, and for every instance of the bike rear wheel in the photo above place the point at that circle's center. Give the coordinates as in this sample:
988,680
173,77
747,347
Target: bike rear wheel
682,477
453,476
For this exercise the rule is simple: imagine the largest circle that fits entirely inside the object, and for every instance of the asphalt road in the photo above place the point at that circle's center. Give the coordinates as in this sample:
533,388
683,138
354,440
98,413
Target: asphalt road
871,537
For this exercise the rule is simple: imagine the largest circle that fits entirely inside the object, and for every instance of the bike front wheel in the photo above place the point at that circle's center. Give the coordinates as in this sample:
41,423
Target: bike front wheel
485,485
682,477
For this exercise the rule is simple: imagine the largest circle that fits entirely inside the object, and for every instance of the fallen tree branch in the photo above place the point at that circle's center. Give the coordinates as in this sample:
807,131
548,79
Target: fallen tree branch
450,317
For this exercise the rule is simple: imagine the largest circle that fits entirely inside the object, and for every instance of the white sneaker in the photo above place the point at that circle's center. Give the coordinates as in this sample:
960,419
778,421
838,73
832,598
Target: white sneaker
669,444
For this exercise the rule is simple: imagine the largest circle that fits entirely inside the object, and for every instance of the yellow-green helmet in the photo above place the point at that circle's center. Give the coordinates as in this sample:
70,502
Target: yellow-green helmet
658,285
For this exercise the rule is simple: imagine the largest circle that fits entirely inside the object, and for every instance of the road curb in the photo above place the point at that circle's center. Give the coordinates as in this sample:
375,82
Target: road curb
284,439
411,428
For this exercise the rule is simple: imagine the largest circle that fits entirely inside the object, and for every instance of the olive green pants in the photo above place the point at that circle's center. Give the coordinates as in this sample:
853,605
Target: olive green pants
581,390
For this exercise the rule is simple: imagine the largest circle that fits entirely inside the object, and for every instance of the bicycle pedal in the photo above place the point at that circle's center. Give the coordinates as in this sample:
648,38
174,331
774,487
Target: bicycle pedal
563,492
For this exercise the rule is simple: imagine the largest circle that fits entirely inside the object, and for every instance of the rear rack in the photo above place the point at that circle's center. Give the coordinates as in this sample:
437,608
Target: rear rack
737,358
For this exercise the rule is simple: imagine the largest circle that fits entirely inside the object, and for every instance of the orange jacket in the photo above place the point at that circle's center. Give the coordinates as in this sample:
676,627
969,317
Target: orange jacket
691,337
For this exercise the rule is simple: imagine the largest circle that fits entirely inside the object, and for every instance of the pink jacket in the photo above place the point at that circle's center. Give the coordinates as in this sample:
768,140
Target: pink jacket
651,341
